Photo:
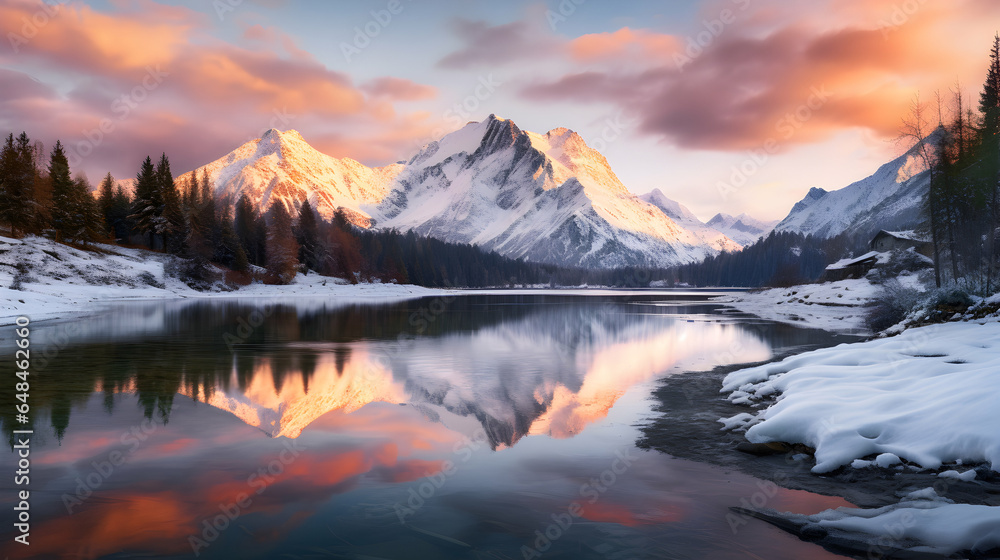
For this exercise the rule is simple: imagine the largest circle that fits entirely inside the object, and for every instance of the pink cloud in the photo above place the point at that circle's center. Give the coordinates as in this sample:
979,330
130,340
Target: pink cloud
622,43
485,44
767,77
399,89
205,96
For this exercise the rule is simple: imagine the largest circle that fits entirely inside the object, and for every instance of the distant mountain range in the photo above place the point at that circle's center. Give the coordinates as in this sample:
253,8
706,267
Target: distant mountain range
543,197
546,198
889,199
743,229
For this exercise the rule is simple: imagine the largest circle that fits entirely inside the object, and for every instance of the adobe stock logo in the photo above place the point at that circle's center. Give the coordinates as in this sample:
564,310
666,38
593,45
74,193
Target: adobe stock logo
696,45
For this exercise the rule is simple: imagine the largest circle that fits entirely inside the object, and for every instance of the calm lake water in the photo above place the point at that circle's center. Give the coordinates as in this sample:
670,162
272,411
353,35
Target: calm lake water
467,427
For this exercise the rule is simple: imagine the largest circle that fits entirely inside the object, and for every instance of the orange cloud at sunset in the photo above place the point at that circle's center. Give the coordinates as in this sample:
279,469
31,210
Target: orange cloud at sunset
155,77
733,86
621,43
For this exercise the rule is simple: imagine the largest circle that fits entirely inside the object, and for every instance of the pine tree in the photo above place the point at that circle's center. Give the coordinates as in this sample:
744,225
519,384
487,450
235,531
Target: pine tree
147,202
230,251
281,249
65,205
989,105
250,231
106,201
170,222
8,185
18,176
121,208
209,218
87,222
307,236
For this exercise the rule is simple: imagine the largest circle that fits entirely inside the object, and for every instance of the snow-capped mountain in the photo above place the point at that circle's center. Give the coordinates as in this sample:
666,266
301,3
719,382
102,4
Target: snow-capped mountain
544,197
686,219
889,199
283,167
743,229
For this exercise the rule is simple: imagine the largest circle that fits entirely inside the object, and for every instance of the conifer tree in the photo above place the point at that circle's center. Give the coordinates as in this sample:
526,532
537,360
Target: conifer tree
170,222
147,201
307,236
251,231
25,209
106,200
87,220
989,105
65,205
230,251
11,187
281,248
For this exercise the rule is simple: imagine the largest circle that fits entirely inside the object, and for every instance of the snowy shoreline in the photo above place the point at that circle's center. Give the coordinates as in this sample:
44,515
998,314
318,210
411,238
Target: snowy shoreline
922,402
833,306
59,281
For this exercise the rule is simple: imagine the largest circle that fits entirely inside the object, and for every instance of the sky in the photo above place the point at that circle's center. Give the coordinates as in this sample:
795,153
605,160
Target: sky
724,105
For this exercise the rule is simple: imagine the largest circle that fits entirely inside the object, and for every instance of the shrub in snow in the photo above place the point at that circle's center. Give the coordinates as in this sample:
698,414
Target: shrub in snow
952,299
898,262
891,306
20,277
197,273
148,279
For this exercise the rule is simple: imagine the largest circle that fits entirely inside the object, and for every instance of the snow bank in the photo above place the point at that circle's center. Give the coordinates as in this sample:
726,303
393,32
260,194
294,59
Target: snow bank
927,396
921,522
62,281
833,306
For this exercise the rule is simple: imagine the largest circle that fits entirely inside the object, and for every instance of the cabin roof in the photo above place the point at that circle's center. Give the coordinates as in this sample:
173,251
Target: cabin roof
907,235
870,257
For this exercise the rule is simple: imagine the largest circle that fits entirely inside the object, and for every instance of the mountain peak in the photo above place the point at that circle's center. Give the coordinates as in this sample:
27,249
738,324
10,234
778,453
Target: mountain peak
889,199
744,229
281,167
275,134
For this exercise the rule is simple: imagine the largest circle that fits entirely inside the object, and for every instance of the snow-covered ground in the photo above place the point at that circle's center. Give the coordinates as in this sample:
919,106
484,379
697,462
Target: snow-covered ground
62,281
834,306
922,401
922,522
927,396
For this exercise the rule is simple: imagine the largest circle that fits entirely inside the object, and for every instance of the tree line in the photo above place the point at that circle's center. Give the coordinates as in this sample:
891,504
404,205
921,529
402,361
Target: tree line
962,206
237,241
242,242
779,259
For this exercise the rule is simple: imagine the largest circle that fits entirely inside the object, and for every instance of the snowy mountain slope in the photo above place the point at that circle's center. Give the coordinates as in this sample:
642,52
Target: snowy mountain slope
742,229
709,233
547,198
283,167
673,209
127,185
888,199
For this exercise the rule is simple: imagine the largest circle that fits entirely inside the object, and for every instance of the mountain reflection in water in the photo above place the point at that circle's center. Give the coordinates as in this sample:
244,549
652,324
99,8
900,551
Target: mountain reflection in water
475,419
